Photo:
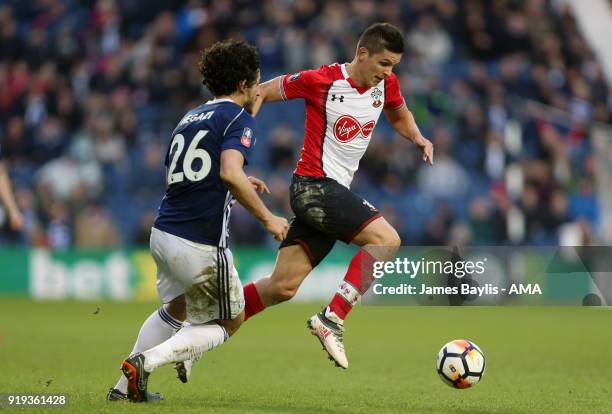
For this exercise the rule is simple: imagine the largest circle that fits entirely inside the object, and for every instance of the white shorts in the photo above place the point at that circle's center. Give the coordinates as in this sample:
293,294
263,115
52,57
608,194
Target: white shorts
205,274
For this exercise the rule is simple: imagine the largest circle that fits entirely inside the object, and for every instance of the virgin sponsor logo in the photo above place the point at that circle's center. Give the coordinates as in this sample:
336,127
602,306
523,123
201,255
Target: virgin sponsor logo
367,128
347,128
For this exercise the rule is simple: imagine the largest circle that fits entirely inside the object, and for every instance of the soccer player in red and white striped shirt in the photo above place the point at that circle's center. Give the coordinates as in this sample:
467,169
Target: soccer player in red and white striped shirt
343,104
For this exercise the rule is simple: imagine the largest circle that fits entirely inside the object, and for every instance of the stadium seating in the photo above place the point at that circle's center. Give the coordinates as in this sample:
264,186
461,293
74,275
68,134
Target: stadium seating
92,90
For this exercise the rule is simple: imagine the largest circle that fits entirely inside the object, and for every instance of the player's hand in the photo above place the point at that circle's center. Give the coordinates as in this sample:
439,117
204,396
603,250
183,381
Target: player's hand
259,185
277,226
16,220
428,150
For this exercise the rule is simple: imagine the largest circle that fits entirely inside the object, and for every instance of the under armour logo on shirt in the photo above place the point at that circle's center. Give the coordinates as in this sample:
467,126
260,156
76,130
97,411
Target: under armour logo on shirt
341,98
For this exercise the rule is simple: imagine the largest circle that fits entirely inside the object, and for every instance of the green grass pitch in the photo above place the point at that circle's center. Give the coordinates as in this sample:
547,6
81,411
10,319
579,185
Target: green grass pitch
539,360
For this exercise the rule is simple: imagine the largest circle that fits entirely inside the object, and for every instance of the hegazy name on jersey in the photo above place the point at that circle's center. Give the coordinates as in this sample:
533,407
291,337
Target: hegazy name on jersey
196,117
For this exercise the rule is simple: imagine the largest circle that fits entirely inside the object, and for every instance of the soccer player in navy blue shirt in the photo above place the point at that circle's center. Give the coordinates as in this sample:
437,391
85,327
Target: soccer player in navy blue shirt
196,278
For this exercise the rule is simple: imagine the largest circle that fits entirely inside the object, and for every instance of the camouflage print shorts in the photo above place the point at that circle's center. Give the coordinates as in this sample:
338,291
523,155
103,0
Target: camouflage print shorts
325,211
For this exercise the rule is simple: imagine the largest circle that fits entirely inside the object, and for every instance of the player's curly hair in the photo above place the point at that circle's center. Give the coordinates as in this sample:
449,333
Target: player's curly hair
381,36
224,64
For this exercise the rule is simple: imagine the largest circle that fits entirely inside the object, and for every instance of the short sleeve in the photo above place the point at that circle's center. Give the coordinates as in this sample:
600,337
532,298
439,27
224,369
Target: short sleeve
393,94
240,136
298,85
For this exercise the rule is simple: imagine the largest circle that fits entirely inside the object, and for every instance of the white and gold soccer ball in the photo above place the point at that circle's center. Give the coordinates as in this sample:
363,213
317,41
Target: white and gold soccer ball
460,364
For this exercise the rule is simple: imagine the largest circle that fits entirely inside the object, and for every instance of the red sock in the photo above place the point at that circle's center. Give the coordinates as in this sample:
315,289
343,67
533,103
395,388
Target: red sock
356,282
252,301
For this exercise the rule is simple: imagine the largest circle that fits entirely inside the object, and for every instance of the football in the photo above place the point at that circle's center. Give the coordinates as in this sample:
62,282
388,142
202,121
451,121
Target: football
460,364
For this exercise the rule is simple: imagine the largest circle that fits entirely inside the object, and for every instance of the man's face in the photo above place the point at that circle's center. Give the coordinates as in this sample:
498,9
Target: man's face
251,93
376,67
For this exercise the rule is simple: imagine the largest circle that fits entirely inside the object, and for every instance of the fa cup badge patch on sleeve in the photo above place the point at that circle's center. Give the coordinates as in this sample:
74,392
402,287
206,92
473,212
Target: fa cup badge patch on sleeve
247,135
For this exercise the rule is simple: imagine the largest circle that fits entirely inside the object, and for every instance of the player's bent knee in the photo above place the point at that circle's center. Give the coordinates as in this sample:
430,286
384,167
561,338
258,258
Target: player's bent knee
177,308
387,238
393,239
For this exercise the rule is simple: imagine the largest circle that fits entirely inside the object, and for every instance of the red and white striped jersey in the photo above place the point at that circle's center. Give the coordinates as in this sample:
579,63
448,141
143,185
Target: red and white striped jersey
340,118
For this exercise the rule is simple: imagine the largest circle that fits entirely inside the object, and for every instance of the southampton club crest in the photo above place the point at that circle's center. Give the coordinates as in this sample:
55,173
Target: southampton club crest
376,95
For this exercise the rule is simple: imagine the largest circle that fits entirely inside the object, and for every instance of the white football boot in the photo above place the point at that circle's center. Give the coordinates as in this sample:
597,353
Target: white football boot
183,369
329,329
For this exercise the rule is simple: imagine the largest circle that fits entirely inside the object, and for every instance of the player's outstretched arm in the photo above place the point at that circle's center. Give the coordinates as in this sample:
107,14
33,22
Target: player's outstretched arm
243,190
403,122
268,92
6,196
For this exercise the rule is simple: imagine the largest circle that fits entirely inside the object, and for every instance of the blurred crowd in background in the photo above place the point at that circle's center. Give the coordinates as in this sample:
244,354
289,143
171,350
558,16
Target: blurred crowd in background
506,90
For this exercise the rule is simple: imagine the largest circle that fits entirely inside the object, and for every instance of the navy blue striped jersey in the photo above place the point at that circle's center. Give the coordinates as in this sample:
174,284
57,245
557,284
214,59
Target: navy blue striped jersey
197,202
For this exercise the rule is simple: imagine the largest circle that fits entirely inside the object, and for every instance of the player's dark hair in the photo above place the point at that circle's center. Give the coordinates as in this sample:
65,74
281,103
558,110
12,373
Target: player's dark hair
224,64
381,36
